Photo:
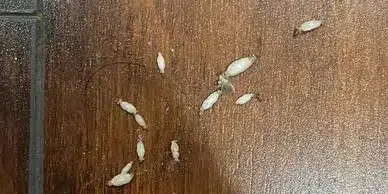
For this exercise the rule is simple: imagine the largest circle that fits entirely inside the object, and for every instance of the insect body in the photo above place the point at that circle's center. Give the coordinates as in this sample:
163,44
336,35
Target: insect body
139,120
225,84
120,179
123,178
140,148
126,168
245,98
307,26
161,63
240,65
175,150
128,107
210,100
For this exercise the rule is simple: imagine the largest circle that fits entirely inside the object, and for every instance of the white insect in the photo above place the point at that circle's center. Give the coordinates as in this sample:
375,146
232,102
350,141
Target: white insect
126,168
245,98
225,84
123,178
127,106
120,179
308,26
139,120
140,148
240,65
161,63
210,100
175,150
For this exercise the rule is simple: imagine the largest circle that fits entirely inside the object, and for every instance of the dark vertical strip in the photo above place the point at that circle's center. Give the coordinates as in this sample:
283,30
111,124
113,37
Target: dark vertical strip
36,147
19,14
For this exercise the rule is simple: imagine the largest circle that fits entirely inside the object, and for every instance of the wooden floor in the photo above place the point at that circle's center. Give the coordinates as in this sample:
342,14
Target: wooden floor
15,70
321,126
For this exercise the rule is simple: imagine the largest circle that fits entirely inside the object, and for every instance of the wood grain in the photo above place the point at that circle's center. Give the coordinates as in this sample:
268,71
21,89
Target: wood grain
15,70
321,127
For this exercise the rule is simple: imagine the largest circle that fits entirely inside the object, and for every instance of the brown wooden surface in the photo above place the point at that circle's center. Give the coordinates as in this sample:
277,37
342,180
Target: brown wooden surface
321,128
15,70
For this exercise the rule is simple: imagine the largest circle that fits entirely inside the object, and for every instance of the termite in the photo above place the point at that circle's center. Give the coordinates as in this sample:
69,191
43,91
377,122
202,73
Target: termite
245,98
239,65
210,100
175,150
225,84
127,168
120,179
161,63
128,107
140,148
123,178
139,120
307,27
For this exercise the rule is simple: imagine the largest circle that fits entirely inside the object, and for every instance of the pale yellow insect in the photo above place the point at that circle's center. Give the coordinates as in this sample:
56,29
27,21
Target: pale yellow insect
161,63
140,120
128,107
175,150
140,148
307,26
123,178
210,100
239,65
